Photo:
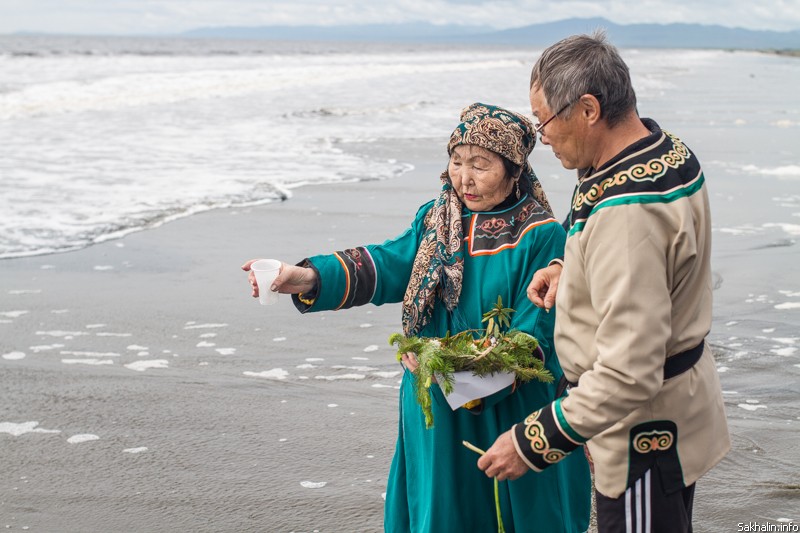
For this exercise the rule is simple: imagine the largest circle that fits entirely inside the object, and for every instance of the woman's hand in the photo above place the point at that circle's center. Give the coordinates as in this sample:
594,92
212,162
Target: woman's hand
544,286
291,279
409,361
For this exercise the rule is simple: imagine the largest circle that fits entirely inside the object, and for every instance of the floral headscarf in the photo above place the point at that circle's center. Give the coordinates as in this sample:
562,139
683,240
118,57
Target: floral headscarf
439,263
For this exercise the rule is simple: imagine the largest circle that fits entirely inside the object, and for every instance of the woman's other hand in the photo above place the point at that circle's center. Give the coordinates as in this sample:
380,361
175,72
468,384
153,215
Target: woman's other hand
291,279
544,286
409,361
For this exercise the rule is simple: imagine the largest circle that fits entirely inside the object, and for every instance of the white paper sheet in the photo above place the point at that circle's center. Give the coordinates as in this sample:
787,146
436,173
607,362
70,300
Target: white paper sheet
467,386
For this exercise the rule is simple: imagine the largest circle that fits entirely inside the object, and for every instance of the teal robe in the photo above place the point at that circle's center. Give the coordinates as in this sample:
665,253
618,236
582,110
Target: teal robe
434,483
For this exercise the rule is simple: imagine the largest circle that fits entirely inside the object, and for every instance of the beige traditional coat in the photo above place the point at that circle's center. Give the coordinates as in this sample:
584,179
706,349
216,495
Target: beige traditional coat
635,290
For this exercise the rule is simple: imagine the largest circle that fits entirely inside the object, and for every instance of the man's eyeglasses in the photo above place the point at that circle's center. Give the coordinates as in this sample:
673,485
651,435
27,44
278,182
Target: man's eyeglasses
539,126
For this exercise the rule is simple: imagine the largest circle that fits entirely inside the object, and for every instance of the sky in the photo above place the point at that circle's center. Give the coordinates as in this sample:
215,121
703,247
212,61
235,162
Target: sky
120,17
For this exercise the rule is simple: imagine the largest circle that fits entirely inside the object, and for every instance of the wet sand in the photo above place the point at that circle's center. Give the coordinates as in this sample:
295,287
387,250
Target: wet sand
197,409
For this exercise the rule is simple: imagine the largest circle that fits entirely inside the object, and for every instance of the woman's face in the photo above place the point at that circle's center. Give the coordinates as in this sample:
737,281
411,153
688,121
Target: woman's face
479,177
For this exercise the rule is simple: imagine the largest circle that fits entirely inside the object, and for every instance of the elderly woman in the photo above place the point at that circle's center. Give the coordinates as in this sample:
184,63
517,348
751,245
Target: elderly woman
484,236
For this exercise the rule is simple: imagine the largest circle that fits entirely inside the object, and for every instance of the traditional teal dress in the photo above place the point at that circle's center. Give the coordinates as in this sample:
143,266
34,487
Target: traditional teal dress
434,483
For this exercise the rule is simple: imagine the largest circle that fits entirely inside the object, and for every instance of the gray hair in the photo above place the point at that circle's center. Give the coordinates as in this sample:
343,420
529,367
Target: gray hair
585,64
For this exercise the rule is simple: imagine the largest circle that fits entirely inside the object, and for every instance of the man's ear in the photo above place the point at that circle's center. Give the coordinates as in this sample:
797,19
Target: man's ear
590,108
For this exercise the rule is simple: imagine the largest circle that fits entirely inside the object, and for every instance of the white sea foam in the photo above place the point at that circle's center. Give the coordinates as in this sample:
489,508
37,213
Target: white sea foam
386,374
314,359
313,484
365,325
279,339
135,450
82,437
371,348
275,373
751,407
45,347
87,361
94,326
25,291
225,351
108,334
135,347
782,171
788,305
14,356
207,335
15,429
306,366
60,333
333,405
14,314
789,350
790,294
141,366
355,377
89,354
746,229
356,368
103,267
205,344
192,325
791,229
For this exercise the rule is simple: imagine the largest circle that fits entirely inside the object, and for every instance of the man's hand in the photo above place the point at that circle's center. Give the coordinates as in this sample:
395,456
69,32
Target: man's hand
502,460
544,285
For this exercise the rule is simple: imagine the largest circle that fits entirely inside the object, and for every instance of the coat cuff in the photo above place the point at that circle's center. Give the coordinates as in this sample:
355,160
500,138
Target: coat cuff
556,261
545,437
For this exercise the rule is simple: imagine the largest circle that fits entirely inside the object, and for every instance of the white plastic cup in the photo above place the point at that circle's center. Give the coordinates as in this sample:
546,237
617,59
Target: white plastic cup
266,270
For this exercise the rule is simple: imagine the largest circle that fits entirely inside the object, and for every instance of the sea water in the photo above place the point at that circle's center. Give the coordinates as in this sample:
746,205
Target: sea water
100,137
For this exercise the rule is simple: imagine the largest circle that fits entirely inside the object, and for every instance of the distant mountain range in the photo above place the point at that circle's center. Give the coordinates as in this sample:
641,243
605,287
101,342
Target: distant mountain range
622,35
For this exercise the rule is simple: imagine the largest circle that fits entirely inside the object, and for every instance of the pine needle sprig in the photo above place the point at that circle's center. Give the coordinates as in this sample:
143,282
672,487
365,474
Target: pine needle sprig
494,350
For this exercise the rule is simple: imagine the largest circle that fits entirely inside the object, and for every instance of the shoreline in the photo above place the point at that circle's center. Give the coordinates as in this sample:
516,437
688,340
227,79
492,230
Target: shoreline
225,450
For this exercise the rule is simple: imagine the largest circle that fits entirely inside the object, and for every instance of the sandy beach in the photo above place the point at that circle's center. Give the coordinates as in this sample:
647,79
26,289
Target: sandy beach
142,389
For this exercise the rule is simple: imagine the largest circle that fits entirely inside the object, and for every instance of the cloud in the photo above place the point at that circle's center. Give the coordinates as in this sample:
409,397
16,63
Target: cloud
174,16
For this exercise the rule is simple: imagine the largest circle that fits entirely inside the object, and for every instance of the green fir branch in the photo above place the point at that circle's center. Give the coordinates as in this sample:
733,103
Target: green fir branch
492,352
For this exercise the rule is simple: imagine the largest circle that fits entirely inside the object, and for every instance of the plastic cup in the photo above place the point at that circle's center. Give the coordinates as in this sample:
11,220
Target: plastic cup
266,270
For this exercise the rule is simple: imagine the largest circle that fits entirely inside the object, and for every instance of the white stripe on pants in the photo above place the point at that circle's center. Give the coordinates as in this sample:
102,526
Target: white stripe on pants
642,494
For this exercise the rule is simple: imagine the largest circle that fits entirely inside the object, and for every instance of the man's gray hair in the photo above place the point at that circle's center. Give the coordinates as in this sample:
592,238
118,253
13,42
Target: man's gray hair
585,64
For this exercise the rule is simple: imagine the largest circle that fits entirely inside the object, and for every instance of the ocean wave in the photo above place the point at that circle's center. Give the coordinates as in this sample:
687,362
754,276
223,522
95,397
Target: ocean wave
26,237
785,171
211,81
338,112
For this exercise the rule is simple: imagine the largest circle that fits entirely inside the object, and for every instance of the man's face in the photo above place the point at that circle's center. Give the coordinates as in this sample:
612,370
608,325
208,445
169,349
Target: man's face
561,134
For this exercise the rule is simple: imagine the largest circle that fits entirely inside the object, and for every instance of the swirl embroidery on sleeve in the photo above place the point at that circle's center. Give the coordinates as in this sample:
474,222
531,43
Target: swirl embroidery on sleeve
534,432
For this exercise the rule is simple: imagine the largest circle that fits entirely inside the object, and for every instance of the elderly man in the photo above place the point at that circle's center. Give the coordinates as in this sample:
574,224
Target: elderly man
633,301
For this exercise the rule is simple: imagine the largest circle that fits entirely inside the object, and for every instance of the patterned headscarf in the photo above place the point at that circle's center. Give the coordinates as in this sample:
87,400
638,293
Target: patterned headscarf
439,263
